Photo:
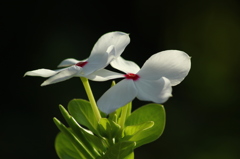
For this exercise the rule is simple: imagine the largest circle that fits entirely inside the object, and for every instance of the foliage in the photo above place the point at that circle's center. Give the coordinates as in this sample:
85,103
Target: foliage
113,136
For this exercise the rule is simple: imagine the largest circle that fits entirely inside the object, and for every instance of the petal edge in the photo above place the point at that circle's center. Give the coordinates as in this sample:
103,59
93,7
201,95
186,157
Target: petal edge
117,96
172,64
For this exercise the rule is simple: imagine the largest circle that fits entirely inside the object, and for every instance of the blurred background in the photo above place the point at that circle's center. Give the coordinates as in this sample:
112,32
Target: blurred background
203,120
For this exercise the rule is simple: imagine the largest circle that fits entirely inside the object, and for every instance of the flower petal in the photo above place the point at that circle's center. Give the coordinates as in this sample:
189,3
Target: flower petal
157,91
125,65
110,45
63,75
117,96
41,72
69,62
104,75
172,64
98,61
119,39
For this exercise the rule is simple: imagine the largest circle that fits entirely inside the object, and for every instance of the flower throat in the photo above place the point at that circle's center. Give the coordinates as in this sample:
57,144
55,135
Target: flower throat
81,64
132,76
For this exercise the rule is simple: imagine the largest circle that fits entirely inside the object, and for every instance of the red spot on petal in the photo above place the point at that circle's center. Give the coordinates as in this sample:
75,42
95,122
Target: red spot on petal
81,64
132,76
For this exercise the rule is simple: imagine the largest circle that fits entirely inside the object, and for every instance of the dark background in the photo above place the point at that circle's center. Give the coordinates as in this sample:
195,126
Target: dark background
203,115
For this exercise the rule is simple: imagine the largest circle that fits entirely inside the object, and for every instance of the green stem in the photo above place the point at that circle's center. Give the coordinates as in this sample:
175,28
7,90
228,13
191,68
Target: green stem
91,98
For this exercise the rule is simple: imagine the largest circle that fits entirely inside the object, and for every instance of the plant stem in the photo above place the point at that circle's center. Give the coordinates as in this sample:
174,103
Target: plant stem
91,98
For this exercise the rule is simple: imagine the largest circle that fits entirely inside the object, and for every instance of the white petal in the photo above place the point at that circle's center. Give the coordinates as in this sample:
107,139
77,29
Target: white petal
172,64
41,72
117,96
119,39
104,75
63,75
111,53
69,62
157,91
98,61
125,65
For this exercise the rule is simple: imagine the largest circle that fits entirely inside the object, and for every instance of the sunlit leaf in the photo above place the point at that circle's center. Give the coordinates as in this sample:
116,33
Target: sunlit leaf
109,129
150,112
81,149
121,113
94,144
82,112
120,150
130,156
65,149
125,112
134,132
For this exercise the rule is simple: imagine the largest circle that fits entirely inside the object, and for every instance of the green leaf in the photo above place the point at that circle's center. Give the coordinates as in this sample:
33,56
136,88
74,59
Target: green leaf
130,156
125,112
136,132
129,109
82,151
150,112
120,150
119,116
65,149
113,117
109,129
82,112
99,144
95,145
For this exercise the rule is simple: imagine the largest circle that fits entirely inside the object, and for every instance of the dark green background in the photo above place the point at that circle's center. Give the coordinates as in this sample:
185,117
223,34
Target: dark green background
203,115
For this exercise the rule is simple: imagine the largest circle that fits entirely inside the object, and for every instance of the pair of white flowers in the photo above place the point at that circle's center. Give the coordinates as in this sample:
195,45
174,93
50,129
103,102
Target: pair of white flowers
153,82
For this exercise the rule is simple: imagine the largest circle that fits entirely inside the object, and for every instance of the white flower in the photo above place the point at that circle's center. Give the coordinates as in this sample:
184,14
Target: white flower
109,46
153,82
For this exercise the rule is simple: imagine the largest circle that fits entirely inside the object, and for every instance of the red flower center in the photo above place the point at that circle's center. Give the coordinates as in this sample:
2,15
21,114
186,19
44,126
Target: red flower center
81,64
132,76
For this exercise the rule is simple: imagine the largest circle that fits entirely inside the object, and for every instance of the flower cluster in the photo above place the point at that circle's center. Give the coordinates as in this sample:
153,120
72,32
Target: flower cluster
153,82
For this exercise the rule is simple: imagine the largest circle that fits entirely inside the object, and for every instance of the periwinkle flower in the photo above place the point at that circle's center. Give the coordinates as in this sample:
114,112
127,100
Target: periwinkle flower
109,46
153,82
